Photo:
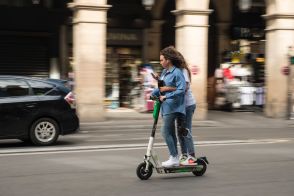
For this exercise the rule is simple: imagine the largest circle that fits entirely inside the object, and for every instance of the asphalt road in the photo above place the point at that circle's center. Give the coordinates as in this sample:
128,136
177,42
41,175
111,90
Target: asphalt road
139,137
243,161
254,168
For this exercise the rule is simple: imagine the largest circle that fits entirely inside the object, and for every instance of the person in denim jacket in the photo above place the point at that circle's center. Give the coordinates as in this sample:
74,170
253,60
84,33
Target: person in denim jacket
184,122
173,102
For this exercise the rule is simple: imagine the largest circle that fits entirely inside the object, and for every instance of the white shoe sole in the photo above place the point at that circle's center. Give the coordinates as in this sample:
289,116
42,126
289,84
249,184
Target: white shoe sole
173,165
190,164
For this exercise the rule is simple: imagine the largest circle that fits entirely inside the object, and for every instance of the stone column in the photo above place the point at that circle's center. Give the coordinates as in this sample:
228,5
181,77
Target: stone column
279,36
54,71
192,42
89,53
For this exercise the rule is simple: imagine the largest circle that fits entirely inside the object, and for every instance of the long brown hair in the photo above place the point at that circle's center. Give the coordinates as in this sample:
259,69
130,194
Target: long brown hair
170,53
176,58
184,64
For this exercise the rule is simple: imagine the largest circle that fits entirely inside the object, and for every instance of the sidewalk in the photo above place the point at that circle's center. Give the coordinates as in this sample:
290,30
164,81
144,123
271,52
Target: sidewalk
124,118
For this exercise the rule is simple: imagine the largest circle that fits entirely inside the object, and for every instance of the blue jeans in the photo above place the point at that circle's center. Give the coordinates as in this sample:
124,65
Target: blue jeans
168,132
186,142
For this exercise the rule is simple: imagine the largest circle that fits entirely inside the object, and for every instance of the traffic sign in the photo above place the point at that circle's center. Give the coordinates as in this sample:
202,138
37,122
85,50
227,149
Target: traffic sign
194,69
286,70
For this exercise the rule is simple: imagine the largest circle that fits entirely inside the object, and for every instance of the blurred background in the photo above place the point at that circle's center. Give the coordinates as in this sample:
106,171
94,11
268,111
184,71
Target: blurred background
239,51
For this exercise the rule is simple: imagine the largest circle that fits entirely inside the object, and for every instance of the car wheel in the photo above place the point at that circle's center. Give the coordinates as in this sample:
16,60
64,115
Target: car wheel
44,131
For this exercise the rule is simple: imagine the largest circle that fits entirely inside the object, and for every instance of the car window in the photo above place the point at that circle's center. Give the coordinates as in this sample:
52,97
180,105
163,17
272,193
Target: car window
40,88
57,91
11,88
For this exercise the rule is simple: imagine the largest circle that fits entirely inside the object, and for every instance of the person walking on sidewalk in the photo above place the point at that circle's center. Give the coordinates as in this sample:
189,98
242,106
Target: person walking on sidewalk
185,136
173,102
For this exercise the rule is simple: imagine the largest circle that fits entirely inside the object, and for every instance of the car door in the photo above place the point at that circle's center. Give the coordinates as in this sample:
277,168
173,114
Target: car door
16,107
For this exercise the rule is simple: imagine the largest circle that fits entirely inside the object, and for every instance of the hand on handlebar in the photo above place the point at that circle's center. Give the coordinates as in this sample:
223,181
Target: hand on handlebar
162,98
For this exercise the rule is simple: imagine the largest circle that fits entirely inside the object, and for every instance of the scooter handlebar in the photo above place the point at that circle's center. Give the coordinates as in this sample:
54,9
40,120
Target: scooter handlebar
155,98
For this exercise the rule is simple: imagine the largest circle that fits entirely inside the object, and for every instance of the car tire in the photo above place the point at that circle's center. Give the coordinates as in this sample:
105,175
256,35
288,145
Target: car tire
44,132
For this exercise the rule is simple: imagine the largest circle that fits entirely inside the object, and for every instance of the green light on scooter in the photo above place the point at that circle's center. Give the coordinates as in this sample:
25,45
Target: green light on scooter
184,170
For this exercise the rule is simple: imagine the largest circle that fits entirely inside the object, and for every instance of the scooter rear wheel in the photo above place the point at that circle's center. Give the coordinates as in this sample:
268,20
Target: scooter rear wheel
201,168
141,173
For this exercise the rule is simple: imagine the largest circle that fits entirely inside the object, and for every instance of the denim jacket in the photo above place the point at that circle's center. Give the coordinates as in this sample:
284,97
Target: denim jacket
175,100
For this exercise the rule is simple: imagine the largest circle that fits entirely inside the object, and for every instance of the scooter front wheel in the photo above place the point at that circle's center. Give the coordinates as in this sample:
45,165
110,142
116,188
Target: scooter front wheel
142,173
200,168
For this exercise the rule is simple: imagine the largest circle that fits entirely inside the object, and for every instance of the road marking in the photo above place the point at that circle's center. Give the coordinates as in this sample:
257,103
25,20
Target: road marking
52,150
114,139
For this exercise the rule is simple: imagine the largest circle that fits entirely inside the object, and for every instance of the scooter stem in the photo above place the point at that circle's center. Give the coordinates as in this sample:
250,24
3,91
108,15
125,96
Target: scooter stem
150,146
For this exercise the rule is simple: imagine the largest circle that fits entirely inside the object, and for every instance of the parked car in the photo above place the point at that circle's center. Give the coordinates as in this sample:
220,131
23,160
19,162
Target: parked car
36,110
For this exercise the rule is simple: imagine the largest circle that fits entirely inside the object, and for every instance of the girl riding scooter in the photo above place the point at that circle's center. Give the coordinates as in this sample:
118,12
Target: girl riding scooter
173,102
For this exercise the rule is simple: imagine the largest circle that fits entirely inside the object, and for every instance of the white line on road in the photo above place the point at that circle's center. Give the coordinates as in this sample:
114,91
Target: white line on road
52,150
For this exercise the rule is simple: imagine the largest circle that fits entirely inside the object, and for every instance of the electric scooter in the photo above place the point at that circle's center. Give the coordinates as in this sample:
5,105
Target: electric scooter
151,160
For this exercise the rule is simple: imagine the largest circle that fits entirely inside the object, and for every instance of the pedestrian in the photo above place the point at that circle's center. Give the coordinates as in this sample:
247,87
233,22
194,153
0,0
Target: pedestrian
173,102
185,121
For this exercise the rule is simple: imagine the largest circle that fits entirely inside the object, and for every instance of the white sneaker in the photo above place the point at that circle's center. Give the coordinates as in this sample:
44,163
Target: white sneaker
188,160
171,162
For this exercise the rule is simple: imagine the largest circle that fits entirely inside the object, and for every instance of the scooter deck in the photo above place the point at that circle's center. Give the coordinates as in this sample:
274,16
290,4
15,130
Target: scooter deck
179,169
183,168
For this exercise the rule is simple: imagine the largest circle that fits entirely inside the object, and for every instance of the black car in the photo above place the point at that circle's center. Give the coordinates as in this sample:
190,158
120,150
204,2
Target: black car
36,110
